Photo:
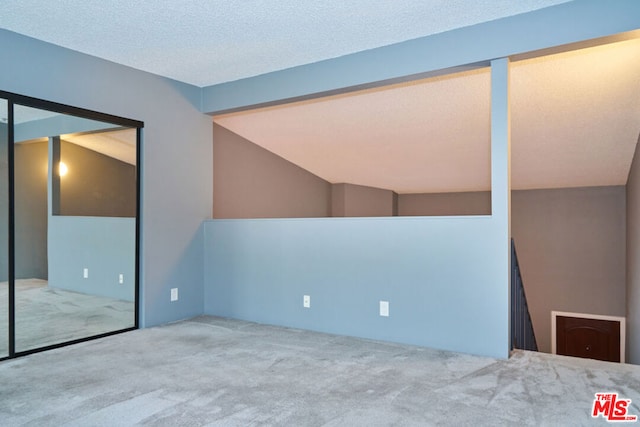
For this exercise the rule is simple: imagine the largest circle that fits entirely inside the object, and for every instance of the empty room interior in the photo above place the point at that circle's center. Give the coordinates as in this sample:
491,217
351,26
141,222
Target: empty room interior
336,213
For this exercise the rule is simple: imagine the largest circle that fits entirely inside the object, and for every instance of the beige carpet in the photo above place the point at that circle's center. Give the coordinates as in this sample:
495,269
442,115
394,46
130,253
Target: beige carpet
46,316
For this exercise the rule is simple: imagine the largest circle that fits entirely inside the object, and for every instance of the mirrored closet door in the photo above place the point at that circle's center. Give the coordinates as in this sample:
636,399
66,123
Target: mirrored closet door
4,230
73,245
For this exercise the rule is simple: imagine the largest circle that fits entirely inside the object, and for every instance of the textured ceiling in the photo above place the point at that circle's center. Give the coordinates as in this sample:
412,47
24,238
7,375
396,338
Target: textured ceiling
575,123
116,142
404,137
23,114
204,42
575,116
119,144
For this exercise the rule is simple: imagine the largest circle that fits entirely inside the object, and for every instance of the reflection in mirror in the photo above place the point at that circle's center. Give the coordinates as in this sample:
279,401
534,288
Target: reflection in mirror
75,227
4,246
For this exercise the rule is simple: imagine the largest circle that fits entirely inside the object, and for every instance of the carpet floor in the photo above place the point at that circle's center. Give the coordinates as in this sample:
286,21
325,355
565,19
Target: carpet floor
210,371
46,316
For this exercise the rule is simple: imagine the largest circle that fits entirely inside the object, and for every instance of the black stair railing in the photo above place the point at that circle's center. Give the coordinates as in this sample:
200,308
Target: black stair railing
522,334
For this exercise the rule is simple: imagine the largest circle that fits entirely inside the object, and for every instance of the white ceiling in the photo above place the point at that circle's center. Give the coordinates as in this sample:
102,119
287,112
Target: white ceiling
205,42
575,123
575,116
119,144
426,136
23,114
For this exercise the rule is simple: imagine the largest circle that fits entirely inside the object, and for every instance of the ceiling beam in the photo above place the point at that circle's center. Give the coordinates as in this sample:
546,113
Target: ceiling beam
468,47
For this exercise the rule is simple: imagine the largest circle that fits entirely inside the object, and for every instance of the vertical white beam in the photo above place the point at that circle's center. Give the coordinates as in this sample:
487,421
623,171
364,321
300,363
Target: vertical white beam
501,177
54,175
50,166
500,142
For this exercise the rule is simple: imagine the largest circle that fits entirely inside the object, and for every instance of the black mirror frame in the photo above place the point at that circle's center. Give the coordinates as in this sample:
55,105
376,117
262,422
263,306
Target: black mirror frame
13,98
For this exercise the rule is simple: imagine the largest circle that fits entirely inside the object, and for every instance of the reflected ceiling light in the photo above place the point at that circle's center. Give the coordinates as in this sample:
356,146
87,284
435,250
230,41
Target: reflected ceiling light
62,169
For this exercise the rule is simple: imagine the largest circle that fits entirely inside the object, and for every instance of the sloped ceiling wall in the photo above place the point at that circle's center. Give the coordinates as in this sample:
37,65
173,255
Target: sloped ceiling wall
575,123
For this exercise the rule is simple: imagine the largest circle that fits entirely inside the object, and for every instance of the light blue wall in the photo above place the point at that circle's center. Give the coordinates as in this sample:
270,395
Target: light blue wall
176,157
447,279
177,190
438,274
106,246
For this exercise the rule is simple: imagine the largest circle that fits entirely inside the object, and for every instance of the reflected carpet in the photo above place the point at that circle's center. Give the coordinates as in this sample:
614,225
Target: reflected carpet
46,316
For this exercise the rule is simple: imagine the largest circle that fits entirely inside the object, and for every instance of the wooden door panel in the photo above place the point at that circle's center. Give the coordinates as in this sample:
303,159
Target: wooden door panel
588,338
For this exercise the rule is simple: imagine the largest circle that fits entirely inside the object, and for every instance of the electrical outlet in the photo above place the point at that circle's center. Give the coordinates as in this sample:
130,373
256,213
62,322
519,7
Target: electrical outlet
306,301
384,308
121,279
174,294
85,273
